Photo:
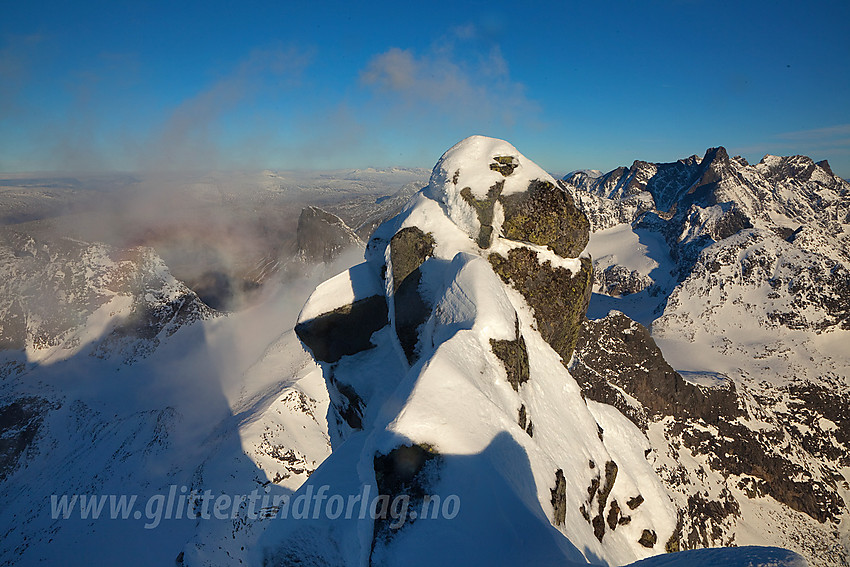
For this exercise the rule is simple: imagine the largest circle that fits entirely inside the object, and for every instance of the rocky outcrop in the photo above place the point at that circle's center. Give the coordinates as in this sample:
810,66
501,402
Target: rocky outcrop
559,498
617,362
546,215
514,356
616,356
558,297
406,474
344,331
617,281
484,211
409,248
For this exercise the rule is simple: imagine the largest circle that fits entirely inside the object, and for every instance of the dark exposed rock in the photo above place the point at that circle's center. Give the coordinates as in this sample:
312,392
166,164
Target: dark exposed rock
514,356
559,498
322,236
712,513
344,331
407,471
598,523
673,544
558,297
523,418
732,222
631,361
616,281
811,402
349,405
600,488
634,502
604,491
20,422
484,210
547,216
824,165
592,488
613,515
739,450
409,248
401,470
504,165
648,538
411,310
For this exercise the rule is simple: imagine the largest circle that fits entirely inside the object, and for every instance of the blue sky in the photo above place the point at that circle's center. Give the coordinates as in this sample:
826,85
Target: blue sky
91,86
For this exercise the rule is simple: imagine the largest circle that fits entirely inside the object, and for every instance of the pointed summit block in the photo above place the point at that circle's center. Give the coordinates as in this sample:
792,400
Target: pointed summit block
488,188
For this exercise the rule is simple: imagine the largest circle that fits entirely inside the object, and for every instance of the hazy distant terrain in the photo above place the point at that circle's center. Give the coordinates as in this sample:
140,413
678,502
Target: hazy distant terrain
212,230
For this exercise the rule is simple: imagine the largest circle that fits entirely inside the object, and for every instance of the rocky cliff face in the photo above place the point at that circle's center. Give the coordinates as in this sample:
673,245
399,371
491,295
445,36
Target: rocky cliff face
474,297
322,236
740,271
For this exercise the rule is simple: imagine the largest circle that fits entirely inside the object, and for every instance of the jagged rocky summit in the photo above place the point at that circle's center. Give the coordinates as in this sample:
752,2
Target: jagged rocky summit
445,356
739,273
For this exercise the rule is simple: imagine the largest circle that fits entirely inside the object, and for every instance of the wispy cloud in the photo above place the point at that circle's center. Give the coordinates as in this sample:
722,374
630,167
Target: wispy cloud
472,84
830,133
190,137
816,142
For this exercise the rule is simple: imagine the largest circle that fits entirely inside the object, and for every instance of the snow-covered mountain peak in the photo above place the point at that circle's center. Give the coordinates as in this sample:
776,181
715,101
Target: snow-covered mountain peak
488,189
479,162
64,296
448,348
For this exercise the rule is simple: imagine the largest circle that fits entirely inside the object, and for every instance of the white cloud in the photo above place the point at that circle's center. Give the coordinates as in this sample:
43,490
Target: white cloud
474,86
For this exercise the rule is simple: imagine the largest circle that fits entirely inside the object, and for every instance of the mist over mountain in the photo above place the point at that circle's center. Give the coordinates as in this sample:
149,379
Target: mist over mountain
609,368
